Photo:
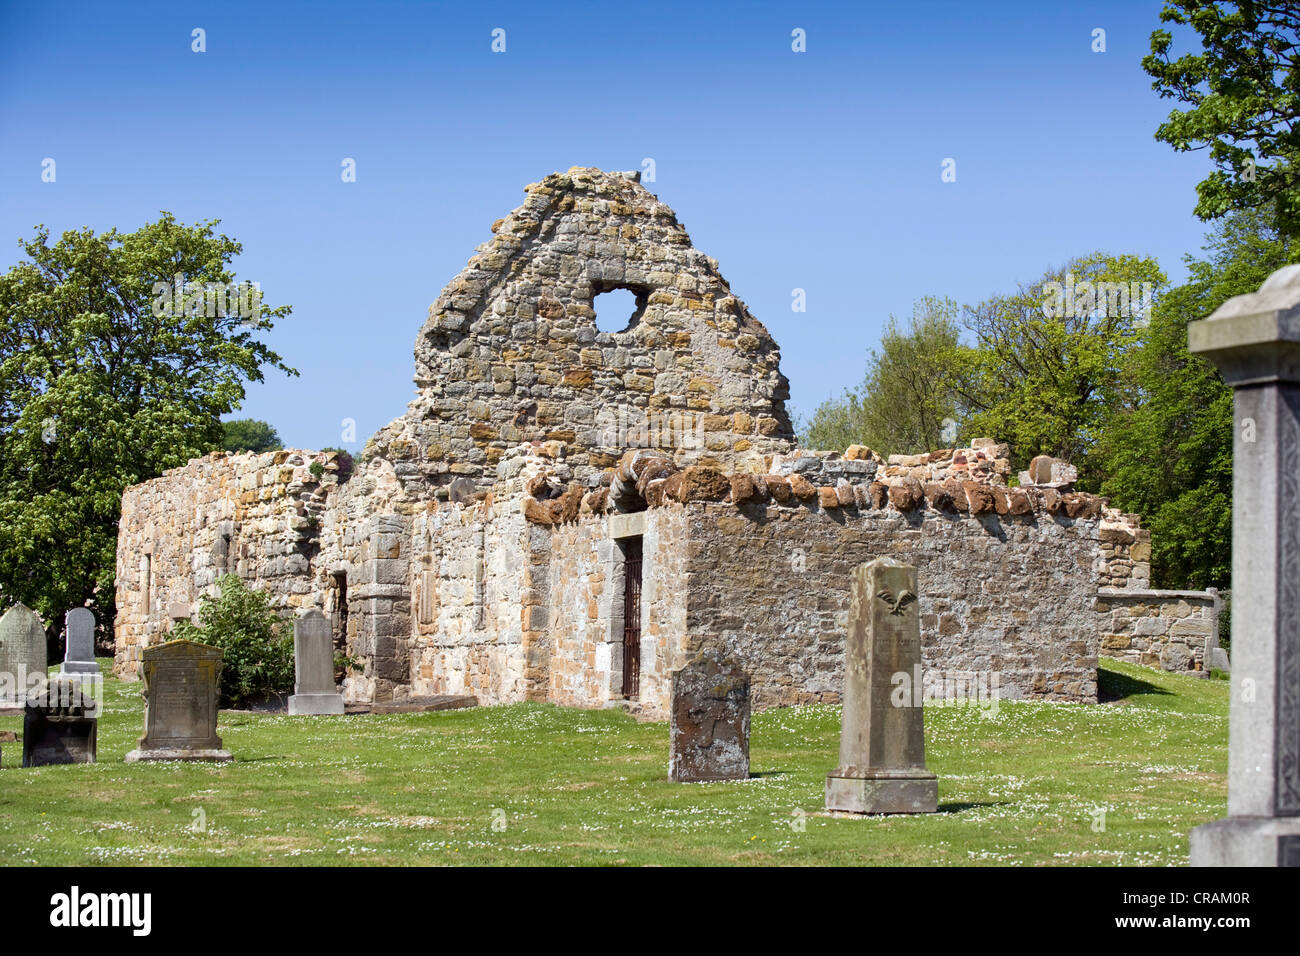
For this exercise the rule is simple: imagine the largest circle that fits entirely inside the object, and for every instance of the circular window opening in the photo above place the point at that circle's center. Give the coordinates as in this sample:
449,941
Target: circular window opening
617,310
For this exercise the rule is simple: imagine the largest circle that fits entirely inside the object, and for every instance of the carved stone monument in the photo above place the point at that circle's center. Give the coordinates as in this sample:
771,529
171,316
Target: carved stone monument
22,656
61,726
882,734
181,680
314,691
79,650
709,726
1254,340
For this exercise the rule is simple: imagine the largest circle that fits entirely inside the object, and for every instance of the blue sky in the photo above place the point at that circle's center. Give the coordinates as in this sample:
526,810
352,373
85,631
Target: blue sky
817,170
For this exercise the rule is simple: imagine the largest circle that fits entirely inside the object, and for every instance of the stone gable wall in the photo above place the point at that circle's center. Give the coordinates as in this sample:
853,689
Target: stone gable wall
511,353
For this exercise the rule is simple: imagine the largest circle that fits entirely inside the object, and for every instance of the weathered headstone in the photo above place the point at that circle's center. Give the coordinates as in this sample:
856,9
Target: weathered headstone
314,691
22,655
79,650
61,726
709,729
181,681
882,734
1254,340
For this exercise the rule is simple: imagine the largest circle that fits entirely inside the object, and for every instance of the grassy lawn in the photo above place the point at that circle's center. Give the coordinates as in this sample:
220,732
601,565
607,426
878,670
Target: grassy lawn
535,783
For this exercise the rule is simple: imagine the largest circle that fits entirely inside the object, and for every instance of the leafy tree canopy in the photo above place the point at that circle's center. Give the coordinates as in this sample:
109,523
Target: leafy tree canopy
111,370
249,434
1242,93
1166,452
909,392
1047,358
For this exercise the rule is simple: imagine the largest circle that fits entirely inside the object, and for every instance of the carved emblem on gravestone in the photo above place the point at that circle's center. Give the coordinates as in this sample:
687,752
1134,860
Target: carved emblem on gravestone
897,605
181,681
882,745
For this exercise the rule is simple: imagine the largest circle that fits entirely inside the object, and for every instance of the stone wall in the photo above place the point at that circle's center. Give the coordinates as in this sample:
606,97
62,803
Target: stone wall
510,352
999,595
1172,630
478,545
254,515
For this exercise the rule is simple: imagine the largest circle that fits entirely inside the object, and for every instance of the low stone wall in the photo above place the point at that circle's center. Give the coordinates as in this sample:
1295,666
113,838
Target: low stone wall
254,515
1000,597
1172,630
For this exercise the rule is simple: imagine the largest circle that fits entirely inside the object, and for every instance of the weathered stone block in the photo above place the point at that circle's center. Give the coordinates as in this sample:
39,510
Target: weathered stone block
709,724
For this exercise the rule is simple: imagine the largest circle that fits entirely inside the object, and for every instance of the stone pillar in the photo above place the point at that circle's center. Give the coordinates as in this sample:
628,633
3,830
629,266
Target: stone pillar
882,736
384,598
1254,340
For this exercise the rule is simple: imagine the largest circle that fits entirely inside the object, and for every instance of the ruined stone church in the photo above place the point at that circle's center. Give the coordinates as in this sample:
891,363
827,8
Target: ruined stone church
568,514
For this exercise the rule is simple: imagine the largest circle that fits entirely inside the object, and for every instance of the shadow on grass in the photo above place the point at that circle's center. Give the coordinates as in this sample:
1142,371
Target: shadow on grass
959,807
1113,687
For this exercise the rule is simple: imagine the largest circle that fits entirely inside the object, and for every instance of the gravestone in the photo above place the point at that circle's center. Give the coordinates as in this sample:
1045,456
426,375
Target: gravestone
882,733
1254,339
709,727
181,680
314,691
79,651
22,656
60,727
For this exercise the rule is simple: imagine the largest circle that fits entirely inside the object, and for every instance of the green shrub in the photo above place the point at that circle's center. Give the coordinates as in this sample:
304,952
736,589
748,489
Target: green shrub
256,641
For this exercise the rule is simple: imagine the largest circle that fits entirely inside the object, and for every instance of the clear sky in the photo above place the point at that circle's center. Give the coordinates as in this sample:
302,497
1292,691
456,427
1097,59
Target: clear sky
818,170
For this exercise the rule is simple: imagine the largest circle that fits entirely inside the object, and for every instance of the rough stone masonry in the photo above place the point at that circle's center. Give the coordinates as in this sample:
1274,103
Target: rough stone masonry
570,514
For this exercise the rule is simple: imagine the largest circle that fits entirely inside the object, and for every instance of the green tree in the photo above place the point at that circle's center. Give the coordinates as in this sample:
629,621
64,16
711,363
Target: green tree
1046,368
104,383
257,643
909,390
1242,90
249,434
1167,449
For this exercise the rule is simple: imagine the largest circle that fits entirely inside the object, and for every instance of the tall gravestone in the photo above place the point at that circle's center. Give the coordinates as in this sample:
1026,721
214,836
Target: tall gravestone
1254,340
22,655
181,681
882,734
709,725
314,691
79,649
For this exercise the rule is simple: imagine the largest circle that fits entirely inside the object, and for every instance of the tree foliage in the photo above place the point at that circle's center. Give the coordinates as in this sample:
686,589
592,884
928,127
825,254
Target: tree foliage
257,643
1167,448
909,391
249,434
101,387
1242,92
1046,364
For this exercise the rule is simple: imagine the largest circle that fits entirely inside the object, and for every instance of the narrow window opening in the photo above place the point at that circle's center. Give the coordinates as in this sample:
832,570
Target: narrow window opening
341,612
146,583
631,553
